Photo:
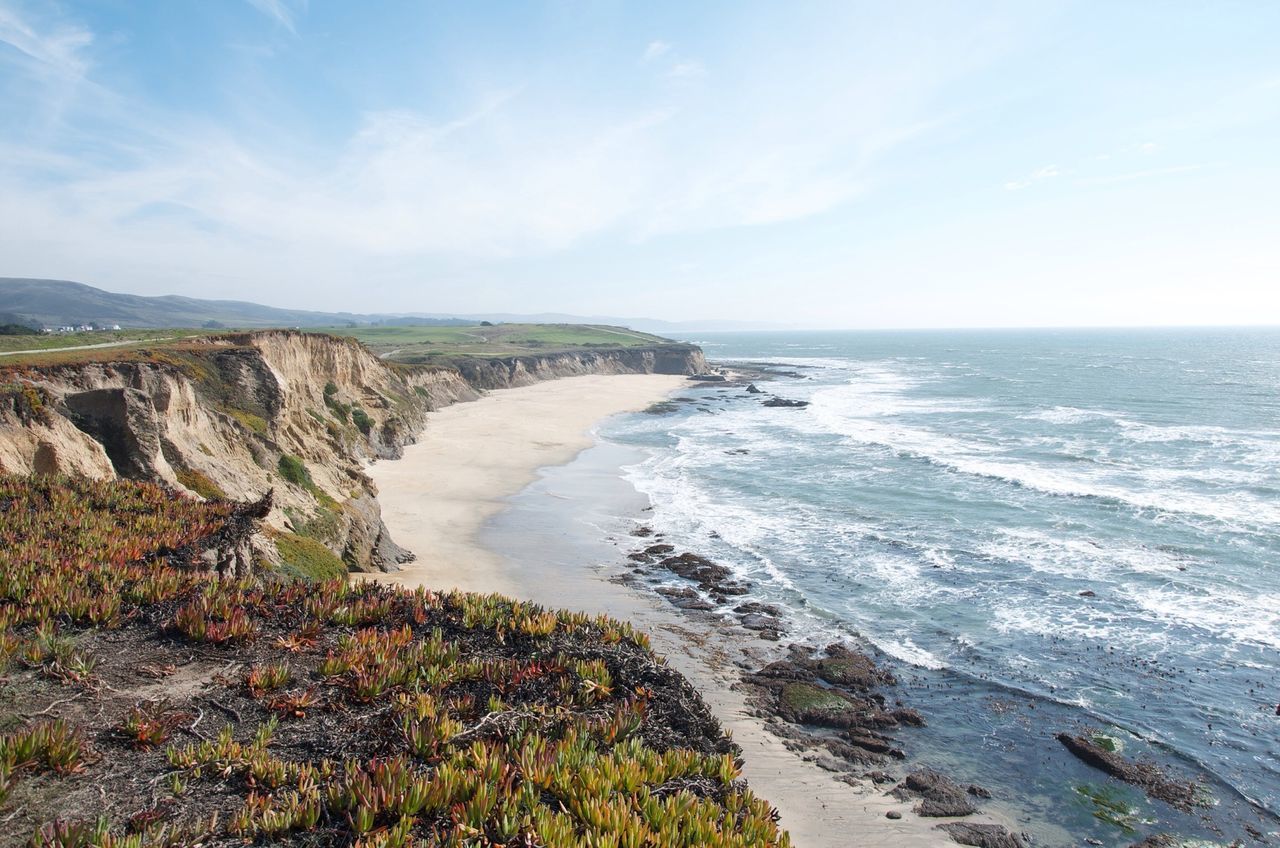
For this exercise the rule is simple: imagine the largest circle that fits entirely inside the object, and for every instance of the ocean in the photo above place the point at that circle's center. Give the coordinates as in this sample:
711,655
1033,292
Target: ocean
1040,531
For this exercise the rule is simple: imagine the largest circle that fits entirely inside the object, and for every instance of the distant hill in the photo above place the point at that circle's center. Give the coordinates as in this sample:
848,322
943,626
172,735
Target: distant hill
55,303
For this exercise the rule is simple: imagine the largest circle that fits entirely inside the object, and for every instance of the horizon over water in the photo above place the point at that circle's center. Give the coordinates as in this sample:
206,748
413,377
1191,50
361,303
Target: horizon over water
948,496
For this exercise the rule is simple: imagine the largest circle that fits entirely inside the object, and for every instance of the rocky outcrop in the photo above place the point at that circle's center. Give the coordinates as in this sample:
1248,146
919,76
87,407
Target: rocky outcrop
983,835
506,372
939,795
241,415
1146,775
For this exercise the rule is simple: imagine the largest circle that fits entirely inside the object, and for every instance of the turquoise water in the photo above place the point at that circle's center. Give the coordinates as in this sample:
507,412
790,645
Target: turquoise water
948,496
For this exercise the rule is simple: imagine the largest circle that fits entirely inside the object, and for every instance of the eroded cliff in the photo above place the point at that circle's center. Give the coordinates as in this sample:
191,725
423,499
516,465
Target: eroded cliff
241,415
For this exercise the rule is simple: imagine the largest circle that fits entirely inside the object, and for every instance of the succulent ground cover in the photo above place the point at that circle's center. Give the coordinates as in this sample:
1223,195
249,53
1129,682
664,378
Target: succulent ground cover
146,703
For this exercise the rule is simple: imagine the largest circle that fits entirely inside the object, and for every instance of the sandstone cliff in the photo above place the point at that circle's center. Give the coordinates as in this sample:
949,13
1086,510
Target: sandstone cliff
242,415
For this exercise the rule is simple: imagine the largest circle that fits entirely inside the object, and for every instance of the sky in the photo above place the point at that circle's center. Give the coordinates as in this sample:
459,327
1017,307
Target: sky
816,164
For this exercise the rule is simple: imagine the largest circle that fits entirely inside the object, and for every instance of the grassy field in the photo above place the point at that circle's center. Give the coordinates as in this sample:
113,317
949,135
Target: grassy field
409,345
416,344
55,341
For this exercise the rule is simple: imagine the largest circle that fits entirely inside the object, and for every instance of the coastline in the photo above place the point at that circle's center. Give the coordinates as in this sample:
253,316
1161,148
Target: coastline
445,501
472,456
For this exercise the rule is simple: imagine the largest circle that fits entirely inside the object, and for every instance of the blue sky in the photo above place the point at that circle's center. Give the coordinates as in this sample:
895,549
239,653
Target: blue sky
843,164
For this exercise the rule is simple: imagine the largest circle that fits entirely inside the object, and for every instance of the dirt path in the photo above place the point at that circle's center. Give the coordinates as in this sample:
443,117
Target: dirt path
86,347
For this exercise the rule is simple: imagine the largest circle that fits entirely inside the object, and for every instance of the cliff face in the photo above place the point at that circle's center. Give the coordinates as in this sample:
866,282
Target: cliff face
238,416
506,372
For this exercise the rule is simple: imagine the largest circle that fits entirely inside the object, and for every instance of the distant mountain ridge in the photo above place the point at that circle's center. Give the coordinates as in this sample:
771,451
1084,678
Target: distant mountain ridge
55,303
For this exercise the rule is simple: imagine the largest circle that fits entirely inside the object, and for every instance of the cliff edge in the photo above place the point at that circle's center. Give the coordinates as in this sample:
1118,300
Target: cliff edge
242,415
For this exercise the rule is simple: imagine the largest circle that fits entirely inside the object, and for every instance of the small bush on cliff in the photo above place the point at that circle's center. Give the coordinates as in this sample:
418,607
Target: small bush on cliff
308,558
200,484
295,471
362,420
26,401
340,410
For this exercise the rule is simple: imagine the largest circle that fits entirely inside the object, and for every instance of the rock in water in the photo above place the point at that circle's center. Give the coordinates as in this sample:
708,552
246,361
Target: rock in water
939,795
1145,775
983,835
785,402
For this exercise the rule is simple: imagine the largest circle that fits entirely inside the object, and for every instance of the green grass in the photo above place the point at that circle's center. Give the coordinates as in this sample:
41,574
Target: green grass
59,340
200,484
412,344
308,558
295,471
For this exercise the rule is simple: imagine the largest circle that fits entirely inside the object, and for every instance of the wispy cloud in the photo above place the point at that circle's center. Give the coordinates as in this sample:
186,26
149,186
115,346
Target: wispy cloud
1045,173
58,48
282,12
656,49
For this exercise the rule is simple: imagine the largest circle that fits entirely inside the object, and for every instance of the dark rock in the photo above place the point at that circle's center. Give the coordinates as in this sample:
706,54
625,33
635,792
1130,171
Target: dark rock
639,556
684,598
756,621
785,402
1156,840
697,604
893,814
983,835
879,777
845,667
757,607
752,390
642,532
906,715
658,550
806,703
1088,593
738,452
1145,775
978,792
880,719
707,378
784,670
939,795
876,744
699,569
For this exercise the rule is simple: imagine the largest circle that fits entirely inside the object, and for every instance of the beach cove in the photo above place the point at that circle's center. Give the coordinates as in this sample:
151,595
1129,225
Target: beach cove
444,501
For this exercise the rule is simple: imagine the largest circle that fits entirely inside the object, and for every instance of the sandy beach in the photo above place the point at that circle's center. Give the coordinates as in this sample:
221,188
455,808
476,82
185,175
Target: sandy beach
473,457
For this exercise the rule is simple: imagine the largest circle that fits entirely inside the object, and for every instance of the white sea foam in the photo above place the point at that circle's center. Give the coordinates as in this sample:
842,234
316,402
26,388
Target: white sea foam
1234,615
870,410
1066,415
909,652
1077,556
1025,616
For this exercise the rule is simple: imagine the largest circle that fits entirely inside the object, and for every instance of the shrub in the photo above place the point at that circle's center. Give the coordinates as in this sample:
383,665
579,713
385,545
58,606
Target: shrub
200,484
26,401
340,410
295,471
362,420
308,558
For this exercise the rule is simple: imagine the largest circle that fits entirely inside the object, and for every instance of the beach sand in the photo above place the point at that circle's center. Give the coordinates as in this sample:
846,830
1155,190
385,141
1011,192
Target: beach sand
473,457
